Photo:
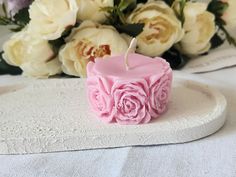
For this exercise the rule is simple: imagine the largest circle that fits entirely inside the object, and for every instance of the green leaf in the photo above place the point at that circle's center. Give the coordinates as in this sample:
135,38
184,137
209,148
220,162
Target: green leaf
141,1
8,69
216,41
228,36
117,13
56,45
121,16
107,9
220,21
22,17
16,29
178,8
6,21
18,22
175,58
130,29
117,2
169,2
182,6
124,4
217,8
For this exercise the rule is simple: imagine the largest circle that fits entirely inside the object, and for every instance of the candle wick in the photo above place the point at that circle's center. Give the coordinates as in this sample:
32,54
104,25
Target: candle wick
131,49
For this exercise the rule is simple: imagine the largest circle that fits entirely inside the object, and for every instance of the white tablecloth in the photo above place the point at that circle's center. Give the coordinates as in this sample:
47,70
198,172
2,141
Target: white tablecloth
214,156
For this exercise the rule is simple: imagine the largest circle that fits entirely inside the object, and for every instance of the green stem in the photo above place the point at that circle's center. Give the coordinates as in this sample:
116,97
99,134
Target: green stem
229,38
182,5
8,21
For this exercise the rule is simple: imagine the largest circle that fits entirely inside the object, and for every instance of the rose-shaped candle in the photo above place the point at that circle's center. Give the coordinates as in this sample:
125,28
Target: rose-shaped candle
129,89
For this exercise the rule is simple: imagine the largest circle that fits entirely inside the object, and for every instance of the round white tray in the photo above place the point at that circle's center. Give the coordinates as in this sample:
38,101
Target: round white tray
53,115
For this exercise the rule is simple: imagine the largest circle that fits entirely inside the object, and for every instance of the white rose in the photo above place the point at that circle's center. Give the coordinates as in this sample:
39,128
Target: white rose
87,42
49,18
34,56
162,29
200,28
39,69
91,10
230,14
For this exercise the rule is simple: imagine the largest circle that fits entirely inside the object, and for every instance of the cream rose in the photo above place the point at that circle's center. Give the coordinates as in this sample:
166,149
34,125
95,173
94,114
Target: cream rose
199,26
230,15
87,42
49,18
34,56
42,69
91,10
162,29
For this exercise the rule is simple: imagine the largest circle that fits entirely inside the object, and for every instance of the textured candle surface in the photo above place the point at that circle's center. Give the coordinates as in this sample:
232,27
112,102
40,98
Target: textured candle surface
131,96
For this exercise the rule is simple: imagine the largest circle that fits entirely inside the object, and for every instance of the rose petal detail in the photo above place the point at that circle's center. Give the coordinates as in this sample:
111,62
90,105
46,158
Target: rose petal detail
159,94
100,99
133,93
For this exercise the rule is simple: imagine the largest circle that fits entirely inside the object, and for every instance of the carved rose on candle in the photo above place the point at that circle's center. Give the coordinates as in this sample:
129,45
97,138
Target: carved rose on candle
100,99
87,42
126,102
131,102
129,96
159,94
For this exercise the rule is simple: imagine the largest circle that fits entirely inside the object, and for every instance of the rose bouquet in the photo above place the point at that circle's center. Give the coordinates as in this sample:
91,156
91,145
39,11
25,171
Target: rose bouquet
62,36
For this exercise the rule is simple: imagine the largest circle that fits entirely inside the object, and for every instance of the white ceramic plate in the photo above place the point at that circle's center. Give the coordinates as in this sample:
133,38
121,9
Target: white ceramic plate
53,115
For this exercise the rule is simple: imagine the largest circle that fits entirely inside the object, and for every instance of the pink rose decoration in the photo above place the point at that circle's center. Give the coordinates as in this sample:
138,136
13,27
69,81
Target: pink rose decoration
100,99
129,97
131,102
159,94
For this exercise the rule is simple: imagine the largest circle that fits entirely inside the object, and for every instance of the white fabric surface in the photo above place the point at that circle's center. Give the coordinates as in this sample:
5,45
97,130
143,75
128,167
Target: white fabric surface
214,156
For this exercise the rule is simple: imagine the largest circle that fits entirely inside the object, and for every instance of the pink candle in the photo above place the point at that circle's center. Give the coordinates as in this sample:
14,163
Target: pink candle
129,96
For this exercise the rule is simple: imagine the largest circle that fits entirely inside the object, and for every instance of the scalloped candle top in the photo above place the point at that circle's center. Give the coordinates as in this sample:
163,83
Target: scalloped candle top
131,96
